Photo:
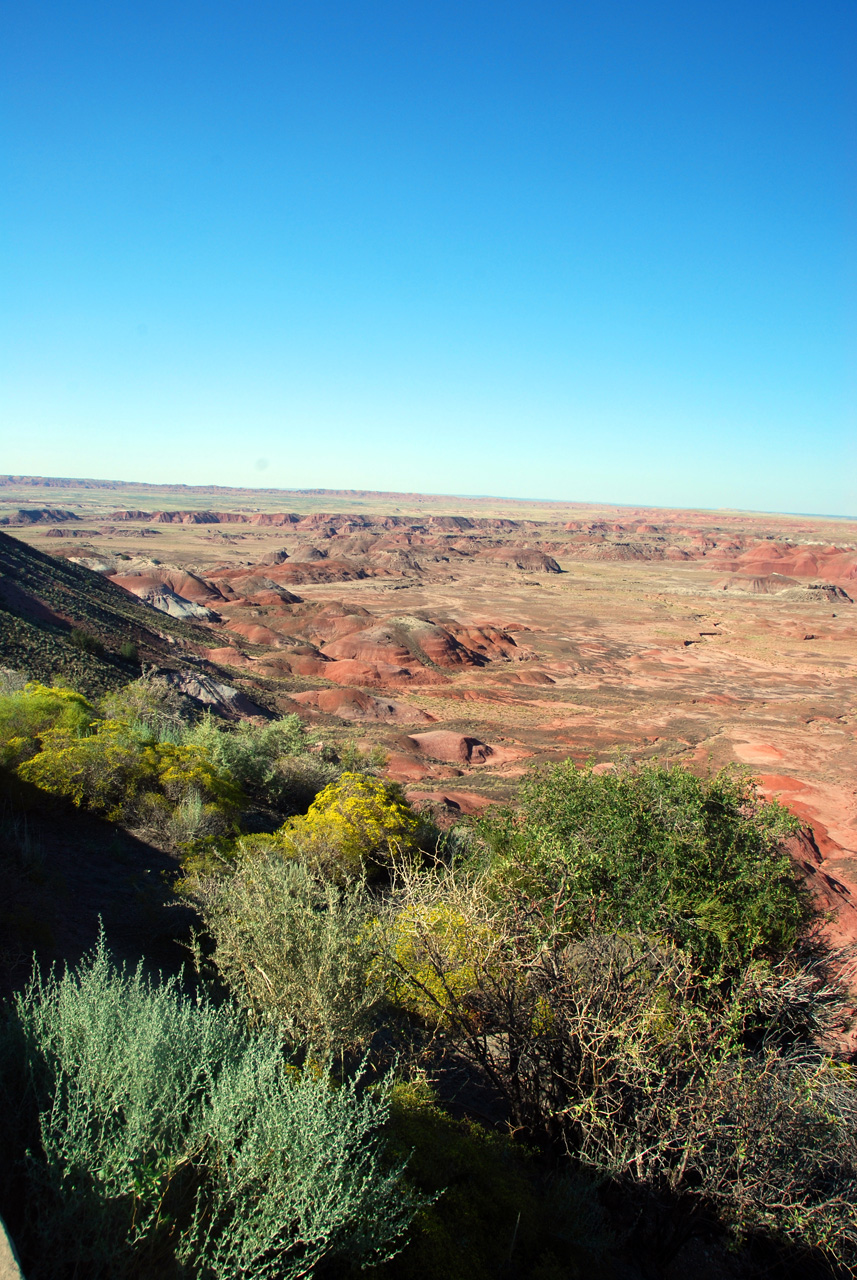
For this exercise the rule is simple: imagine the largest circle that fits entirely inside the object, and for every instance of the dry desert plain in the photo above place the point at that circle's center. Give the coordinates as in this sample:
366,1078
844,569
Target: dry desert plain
472,637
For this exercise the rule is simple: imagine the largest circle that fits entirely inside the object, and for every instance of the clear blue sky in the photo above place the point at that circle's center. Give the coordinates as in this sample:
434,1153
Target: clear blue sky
598,250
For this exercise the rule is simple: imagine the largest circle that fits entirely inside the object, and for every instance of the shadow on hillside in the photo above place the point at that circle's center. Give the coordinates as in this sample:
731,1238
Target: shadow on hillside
63,871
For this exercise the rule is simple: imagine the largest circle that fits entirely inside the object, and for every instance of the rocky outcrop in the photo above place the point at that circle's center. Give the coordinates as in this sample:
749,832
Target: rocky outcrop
222,698
167,601
442,744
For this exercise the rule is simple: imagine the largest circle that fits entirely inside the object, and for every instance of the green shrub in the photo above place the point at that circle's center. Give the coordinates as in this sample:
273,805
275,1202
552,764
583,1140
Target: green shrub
271,762
150,702
295,950
86,641
438,952
165,1139
695,860
29,713
129,651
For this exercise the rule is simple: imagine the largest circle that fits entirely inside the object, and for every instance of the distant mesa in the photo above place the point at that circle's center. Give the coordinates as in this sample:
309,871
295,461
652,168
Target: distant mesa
818,592
787,588
185,517
527,558
451,523
760,585
273,519
38,515
265,518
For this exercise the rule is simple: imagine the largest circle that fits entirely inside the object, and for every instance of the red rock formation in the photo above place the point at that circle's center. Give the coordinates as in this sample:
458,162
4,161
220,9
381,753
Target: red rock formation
442,744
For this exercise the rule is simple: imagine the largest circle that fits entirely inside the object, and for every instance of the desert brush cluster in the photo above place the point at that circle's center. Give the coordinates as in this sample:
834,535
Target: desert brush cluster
599,1022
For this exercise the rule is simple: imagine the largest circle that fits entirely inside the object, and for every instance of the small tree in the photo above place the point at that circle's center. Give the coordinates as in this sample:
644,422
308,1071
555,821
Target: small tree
698,861
617,1049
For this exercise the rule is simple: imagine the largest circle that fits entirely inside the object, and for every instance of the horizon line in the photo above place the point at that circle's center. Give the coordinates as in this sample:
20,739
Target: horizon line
33,480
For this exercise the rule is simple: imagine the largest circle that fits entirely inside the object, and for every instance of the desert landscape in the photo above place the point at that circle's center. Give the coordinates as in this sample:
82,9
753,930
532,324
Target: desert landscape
470,638
428,641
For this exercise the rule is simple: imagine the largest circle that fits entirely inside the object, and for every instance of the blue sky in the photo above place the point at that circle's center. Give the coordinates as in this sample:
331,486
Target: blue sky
596,251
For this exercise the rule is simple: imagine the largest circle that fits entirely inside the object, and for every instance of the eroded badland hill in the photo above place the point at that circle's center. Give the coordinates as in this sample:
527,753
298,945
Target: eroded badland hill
471,637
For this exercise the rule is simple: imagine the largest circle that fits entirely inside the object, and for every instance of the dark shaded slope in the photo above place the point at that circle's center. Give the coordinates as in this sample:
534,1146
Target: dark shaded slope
45,605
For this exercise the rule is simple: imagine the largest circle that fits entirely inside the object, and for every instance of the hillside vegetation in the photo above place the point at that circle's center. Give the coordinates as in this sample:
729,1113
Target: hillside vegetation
570,1039
59,620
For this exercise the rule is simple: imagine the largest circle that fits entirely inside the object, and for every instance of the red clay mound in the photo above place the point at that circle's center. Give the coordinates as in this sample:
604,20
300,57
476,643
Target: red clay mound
455,801
831,563
306,555
351,704
406,768
372,674
228,657
373,644
332,623
488,642
186,585
831,897
255,634
320,571
251,584
443,744
444,650
535,678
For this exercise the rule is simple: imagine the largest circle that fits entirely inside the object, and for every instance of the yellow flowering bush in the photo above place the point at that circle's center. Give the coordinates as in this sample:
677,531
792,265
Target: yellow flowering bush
440,957
130,777
27,714
354,827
